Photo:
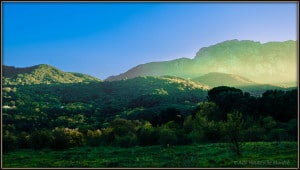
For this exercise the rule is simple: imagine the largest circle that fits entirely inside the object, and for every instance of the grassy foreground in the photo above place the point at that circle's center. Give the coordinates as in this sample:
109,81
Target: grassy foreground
254,154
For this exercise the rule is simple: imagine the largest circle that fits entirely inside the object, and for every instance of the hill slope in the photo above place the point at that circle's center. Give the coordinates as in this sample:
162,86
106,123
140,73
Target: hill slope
272,62
215,79
41,74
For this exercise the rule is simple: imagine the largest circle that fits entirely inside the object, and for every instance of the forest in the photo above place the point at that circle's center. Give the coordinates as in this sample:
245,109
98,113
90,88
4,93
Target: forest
126,114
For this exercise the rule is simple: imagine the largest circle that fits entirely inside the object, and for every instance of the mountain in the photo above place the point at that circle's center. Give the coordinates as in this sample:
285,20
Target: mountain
272,62
215,79
41,74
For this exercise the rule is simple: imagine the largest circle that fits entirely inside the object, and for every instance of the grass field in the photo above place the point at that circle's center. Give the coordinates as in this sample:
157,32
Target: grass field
254,154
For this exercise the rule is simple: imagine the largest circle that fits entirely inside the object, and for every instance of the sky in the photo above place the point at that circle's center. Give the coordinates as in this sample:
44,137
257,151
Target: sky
108,38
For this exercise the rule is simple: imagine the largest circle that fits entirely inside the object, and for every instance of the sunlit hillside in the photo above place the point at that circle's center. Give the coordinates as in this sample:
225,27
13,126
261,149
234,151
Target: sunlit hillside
272,62
215,79
41,74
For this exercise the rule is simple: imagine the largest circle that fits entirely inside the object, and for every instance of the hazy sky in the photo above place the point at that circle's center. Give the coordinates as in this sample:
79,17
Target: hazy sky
103,39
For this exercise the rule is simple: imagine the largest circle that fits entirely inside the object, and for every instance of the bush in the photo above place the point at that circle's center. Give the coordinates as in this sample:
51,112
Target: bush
292,128
167,137
60,139
9,142
148,135
188,124
65,138
122,126
212,131
107,136
23,140
196,136
126,141
269,123
253,134
94,137
41,139
278,135
75,137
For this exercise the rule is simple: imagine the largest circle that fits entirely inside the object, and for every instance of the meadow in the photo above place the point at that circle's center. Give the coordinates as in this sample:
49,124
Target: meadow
253,155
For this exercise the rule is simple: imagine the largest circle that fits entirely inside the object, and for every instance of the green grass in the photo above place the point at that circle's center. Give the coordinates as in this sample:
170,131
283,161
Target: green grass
254,154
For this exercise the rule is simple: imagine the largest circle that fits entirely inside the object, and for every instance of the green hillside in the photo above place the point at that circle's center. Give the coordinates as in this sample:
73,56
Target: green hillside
41,74
215,79
108,99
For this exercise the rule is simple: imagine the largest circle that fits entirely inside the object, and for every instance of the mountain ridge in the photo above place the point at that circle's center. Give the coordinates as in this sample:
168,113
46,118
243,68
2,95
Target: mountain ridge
271,62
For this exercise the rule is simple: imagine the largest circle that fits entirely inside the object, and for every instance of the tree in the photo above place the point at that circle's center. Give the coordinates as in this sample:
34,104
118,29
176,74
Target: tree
228,99
208,109
232,129
169,114
216,91
282,106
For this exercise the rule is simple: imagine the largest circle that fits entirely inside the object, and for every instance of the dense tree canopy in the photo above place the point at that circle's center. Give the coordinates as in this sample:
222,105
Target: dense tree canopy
169,112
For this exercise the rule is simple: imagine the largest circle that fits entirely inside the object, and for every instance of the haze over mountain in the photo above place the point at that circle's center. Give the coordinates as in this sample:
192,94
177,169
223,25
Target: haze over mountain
272,62
41,74
215,79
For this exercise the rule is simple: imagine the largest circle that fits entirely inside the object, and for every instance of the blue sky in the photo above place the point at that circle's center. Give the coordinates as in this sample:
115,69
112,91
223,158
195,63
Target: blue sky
103,39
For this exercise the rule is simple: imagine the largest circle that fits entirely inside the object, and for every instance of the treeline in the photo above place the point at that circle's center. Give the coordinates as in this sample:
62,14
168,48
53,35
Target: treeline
228,115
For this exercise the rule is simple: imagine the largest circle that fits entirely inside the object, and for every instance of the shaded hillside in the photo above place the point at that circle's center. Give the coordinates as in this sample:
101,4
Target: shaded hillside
41,74
176,67
215,79
272,62
258,89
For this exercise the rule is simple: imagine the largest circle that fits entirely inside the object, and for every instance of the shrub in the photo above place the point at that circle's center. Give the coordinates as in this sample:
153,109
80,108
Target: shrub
196,136
41,139
127,140
60,139
188,124
75,137
167,136
94,137
107,136
148,135
65,138
253,134
278,135
9,142
23,140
